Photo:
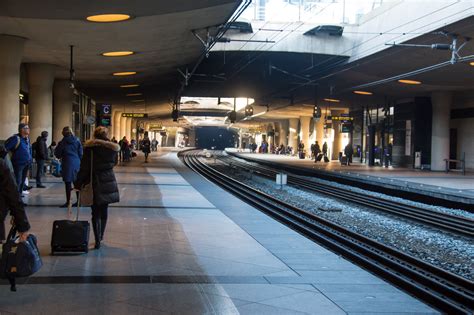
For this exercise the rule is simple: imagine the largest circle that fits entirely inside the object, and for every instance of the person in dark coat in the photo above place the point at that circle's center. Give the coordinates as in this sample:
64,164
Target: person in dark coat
348,151
10,201
317,151
146,145
41,156
20,148
325,149
103,155
69,151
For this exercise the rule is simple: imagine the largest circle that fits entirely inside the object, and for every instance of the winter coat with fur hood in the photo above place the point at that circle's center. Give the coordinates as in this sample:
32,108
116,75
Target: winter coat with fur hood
104,158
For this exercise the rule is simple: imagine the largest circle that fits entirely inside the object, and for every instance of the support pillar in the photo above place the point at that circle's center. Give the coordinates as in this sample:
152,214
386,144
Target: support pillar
128,130
319,130
305,122
11,51
63,97
123,127
441,104
40,109
284,133
293,133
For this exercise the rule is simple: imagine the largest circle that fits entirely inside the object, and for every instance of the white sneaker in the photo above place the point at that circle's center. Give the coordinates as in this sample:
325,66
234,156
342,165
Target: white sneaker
26,192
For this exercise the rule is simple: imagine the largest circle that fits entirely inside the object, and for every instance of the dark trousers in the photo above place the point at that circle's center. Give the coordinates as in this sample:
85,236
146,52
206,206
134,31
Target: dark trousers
39,171
99,220
20,175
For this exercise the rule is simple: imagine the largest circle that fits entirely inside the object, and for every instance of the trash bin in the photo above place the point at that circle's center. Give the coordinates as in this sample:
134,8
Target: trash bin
418,159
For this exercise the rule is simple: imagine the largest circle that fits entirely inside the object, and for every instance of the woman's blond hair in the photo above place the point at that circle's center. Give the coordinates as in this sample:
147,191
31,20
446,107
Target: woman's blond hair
101,133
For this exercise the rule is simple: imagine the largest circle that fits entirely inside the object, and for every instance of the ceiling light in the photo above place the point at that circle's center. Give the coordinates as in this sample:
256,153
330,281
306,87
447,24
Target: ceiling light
129,85
124,73
472,63
108,18
117,53
136,101
409,82
134,94
363,93
333,100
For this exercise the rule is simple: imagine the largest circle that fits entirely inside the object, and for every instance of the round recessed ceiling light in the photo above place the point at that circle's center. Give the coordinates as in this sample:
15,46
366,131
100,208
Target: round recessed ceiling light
108,18
117,53
363,93
124,73
333,100
129,85
409,82
134,94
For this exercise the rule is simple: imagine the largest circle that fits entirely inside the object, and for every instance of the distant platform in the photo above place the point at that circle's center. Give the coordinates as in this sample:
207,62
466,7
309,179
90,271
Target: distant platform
450,186
178,244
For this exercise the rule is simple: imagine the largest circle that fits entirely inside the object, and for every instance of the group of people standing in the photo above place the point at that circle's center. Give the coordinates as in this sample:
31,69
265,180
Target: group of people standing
98,157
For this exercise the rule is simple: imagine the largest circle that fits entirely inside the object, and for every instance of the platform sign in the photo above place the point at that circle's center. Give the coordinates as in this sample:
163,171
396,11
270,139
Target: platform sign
135,115
340,118
106,109
346,128
156,126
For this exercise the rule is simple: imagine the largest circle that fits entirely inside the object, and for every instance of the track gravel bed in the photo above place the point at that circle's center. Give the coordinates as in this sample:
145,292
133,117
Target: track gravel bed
439,248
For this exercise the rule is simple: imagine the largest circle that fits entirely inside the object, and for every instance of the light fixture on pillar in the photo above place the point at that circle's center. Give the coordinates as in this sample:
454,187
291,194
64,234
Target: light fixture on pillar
72,73
316,112
248,111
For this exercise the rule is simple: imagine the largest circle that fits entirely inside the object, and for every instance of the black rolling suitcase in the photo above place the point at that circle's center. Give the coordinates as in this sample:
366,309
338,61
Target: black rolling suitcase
319,157
70,236
326,159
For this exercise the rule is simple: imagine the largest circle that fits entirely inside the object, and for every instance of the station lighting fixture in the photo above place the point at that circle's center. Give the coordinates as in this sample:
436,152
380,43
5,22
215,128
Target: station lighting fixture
363,93
413,82
134,94
129,85
175,114
125,73
108,18
472,63
317,112
233,116
332,100
117,53
137,101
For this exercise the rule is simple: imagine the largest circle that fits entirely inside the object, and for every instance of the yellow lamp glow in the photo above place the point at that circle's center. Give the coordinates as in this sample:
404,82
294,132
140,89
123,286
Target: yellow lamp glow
117,53
409,82
472,63
363,93
129,85
124,73
332,100
108,18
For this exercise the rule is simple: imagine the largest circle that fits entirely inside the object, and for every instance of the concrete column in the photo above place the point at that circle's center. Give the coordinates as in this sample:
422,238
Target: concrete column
305,122
441,103
63,96
128,130
116,124
123,127
284,132
11,51
319,130
40,81
293,133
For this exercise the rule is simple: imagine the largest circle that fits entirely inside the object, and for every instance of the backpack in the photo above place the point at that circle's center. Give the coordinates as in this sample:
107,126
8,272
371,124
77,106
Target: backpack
34,148
8,157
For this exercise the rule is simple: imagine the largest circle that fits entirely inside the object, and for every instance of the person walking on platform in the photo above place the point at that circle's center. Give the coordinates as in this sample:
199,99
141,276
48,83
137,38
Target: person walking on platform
21,154
146,146
154,144
69,151
325,152
99,160
10,201
317,152
348,152
41,156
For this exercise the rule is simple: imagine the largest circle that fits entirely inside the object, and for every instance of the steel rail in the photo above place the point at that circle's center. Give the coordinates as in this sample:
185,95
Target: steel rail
441,289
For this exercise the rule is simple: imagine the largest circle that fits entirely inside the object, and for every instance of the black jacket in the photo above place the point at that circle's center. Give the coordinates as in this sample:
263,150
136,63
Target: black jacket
41,149
104,154
10,201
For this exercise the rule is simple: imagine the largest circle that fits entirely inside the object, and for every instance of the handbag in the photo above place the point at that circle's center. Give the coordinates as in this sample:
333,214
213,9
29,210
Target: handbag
86,194
19,259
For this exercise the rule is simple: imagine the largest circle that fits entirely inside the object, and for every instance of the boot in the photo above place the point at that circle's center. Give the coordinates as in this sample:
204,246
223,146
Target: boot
97,230
103,224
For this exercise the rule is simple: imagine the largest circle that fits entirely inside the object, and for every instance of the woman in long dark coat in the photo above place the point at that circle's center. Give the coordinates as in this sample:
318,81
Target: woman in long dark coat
69,151
100,154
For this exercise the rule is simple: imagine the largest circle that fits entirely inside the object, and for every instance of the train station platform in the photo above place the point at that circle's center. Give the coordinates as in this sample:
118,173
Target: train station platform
178,244
452,186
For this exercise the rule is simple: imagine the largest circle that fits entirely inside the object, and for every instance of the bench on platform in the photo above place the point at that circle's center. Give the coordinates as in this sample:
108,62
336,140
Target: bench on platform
461,161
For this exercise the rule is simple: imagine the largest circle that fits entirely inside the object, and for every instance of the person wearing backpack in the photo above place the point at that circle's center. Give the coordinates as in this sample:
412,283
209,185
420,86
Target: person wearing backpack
20,154
41,156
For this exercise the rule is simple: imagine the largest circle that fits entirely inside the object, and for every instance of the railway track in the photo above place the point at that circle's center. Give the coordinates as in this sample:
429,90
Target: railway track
441,289
447,222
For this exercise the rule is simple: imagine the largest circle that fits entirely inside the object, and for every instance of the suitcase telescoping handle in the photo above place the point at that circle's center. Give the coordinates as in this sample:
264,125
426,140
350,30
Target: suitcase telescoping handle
69,207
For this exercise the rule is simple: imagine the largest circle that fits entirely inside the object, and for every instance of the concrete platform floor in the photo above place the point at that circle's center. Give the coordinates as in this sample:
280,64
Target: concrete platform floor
442,182
177,244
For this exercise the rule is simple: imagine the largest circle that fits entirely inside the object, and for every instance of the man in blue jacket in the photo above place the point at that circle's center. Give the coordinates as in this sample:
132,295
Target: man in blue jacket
21,156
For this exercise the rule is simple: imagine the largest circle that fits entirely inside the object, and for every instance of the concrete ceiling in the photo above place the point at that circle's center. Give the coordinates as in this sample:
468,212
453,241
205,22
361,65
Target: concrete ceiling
160,33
